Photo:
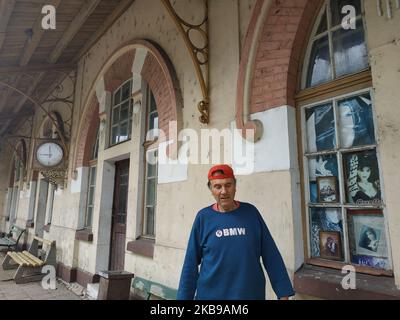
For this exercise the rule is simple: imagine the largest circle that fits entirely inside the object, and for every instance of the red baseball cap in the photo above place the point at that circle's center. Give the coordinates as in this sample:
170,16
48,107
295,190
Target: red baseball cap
227,172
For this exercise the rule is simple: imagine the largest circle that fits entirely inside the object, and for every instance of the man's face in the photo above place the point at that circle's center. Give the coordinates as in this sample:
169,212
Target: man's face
224,191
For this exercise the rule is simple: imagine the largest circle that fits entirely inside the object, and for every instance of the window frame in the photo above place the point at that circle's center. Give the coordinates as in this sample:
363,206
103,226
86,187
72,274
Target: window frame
149,146
342,205
326,9
119,123
92,187
333,90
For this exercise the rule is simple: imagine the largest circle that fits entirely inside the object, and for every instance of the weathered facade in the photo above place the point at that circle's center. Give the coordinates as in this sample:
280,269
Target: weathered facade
285,64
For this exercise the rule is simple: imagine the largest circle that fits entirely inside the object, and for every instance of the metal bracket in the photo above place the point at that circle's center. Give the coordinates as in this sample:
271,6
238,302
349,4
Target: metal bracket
198,54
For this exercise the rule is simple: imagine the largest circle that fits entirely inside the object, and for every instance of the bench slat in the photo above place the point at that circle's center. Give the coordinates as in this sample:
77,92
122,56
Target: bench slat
48,242
18,259
34,259
30,261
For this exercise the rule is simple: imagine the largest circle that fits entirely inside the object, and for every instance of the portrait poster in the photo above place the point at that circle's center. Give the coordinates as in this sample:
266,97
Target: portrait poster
330,245
327,189
356,125
362,178
322,166
320,128
324,219
367,233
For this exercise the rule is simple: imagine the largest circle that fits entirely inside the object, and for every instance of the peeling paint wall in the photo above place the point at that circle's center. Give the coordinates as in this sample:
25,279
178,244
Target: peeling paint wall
384,49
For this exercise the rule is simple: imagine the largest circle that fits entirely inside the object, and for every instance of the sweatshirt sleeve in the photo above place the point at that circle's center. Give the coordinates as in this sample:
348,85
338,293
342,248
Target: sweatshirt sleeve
274,264
188,281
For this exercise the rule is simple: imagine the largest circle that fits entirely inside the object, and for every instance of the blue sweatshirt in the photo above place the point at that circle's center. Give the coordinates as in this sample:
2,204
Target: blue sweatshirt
228,245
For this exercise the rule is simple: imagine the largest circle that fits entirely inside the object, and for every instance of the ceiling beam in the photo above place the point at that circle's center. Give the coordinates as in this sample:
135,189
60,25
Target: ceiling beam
6,8
117,12
73,28
37,68
31,44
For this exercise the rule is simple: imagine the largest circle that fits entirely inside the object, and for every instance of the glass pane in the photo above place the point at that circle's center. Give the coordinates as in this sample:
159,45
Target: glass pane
153,121
350,51
117,97
320,128
93,176
367,238
326,233
153,105
121,218
123,198
323,24
151,170
89,215
114,135
126,91
91,196
124,115
362,178
115,115
150,221
355,121
151,192
124,179
318,167
319,69
336,9
123,132
95,152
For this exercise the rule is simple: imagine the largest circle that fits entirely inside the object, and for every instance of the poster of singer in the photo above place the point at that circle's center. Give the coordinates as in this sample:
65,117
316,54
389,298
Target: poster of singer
362,178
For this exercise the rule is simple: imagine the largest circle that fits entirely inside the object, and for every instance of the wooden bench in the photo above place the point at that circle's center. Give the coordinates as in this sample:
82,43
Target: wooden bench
29,263
11,240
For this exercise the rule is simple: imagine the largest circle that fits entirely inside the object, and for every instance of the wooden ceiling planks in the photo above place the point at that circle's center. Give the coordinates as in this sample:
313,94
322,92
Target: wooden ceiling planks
79,25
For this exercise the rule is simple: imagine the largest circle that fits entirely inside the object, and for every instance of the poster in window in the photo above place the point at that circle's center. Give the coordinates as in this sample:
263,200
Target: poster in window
330,245
367,233
321,166
327,189
320,128
356,126
362,178
324,219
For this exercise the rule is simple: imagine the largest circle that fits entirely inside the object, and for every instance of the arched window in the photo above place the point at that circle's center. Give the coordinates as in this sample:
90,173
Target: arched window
336,49
343,195
151,154
121,114
92,182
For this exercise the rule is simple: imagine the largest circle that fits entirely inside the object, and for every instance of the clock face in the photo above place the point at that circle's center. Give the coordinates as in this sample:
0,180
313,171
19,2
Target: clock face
49,154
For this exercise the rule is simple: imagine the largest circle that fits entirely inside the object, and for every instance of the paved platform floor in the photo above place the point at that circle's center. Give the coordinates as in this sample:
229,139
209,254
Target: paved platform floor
9,290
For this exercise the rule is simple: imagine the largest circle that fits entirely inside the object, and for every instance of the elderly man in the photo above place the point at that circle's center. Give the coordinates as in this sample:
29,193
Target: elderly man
227,240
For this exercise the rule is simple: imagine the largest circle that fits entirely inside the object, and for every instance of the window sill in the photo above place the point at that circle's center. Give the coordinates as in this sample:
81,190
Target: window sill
325,283
84,234
29,224
142,247
47,227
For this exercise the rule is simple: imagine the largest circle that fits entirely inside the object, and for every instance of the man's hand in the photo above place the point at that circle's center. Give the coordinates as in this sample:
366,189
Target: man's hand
284,298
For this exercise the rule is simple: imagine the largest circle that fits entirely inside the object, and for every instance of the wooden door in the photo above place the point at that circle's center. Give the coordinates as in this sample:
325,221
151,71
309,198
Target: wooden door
118,228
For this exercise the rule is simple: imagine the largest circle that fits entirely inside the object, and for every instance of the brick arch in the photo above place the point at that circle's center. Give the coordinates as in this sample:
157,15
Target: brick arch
87,133
160,75
278,57
157,71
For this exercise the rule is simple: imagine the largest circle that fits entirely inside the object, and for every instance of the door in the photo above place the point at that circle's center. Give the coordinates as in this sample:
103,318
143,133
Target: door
118,227
42,194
